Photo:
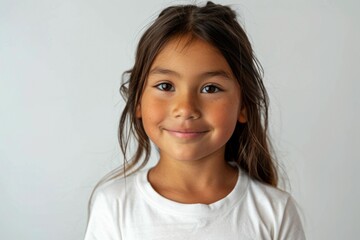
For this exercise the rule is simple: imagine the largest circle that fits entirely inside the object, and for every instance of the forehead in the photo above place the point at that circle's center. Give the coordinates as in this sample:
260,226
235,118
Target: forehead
183,43
188,54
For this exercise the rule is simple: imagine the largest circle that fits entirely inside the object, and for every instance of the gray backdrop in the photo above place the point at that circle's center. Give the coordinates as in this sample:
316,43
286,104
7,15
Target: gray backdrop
60,66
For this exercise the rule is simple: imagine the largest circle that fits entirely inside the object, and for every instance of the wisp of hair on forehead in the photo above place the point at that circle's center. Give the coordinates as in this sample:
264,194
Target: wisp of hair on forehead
216,24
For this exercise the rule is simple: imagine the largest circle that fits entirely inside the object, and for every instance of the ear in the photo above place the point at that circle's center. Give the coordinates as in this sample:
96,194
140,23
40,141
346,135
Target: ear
138,111
242,115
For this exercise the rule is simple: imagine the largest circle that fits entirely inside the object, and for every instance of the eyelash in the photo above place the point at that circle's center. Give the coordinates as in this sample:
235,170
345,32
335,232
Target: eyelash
161,87
217,89
165,87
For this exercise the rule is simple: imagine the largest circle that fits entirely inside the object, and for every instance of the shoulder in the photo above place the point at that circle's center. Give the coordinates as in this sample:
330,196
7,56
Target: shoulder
104,214
116,190
265,192
272,202
274,205
107,205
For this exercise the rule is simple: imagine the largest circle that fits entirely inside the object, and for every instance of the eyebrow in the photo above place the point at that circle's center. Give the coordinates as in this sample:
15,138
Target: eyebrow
164,71
209,74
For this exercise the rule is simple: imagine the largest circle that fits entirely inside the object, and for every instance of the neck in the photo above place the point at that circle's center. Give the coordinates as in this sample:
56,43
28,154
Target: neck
193,176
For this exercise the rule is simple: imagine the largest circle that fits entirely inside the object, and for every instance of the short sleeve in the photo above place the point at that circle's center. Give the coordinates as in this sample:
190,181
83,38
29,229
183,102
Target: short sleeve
103,222
291,226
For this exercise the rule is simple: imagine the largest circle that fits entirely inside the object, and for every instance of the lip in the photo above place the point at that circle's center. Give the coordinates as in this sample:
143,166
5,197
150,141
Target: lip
186,134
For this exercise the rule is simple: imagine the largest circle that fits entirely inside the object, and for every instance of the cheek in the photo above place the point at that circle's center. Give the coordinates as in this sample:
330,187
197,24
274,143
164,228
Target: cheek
152,111
225,116
227,123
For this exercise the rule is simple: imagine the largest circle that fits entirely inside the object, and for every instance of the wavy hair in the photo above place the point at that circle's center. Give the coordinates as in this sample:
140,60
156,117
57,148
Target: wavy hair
216,24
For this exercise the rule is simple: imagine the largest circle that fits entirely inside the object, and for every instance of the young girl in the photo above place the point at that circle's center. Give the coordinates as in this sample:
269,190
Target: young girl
196,92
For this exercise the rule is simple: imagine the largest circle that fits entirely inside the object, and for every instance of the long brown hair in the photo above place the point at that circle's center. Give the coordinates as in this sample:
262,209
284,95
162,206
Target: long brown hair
248,146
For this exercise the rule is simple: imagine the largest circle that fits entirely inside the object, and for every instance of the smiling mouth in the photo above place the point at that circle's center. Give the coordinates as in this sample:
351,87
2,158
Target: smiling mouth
186,134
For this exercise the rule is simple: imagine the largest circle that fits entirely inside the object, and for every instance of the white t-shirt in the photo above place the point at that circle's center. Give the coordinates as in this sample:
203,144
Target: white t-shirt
130,209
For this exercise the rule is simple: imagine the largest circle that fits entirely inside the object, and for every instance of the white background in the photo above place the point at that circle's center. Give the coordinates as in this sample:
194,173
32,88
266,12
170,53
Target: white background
60,68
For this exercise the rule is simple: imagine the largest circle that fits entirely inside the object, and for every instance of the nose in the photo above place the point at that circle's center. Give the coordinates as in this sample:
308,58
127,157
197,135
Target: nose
186,107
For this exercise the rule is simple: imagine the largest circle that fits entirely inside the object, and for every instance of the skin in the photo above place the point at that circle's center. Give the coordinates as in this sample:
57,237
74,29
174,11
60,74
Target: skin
189,107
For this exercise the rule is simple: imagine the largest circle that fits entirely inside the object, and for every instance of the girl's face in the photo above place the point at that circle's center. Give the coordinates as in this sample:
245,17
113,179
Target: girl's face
191,101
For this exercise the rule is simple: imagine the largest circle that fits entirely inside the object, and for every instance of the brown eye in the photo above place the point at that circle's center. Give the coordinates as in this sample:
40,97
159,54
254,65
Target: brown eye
210,89
165,87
